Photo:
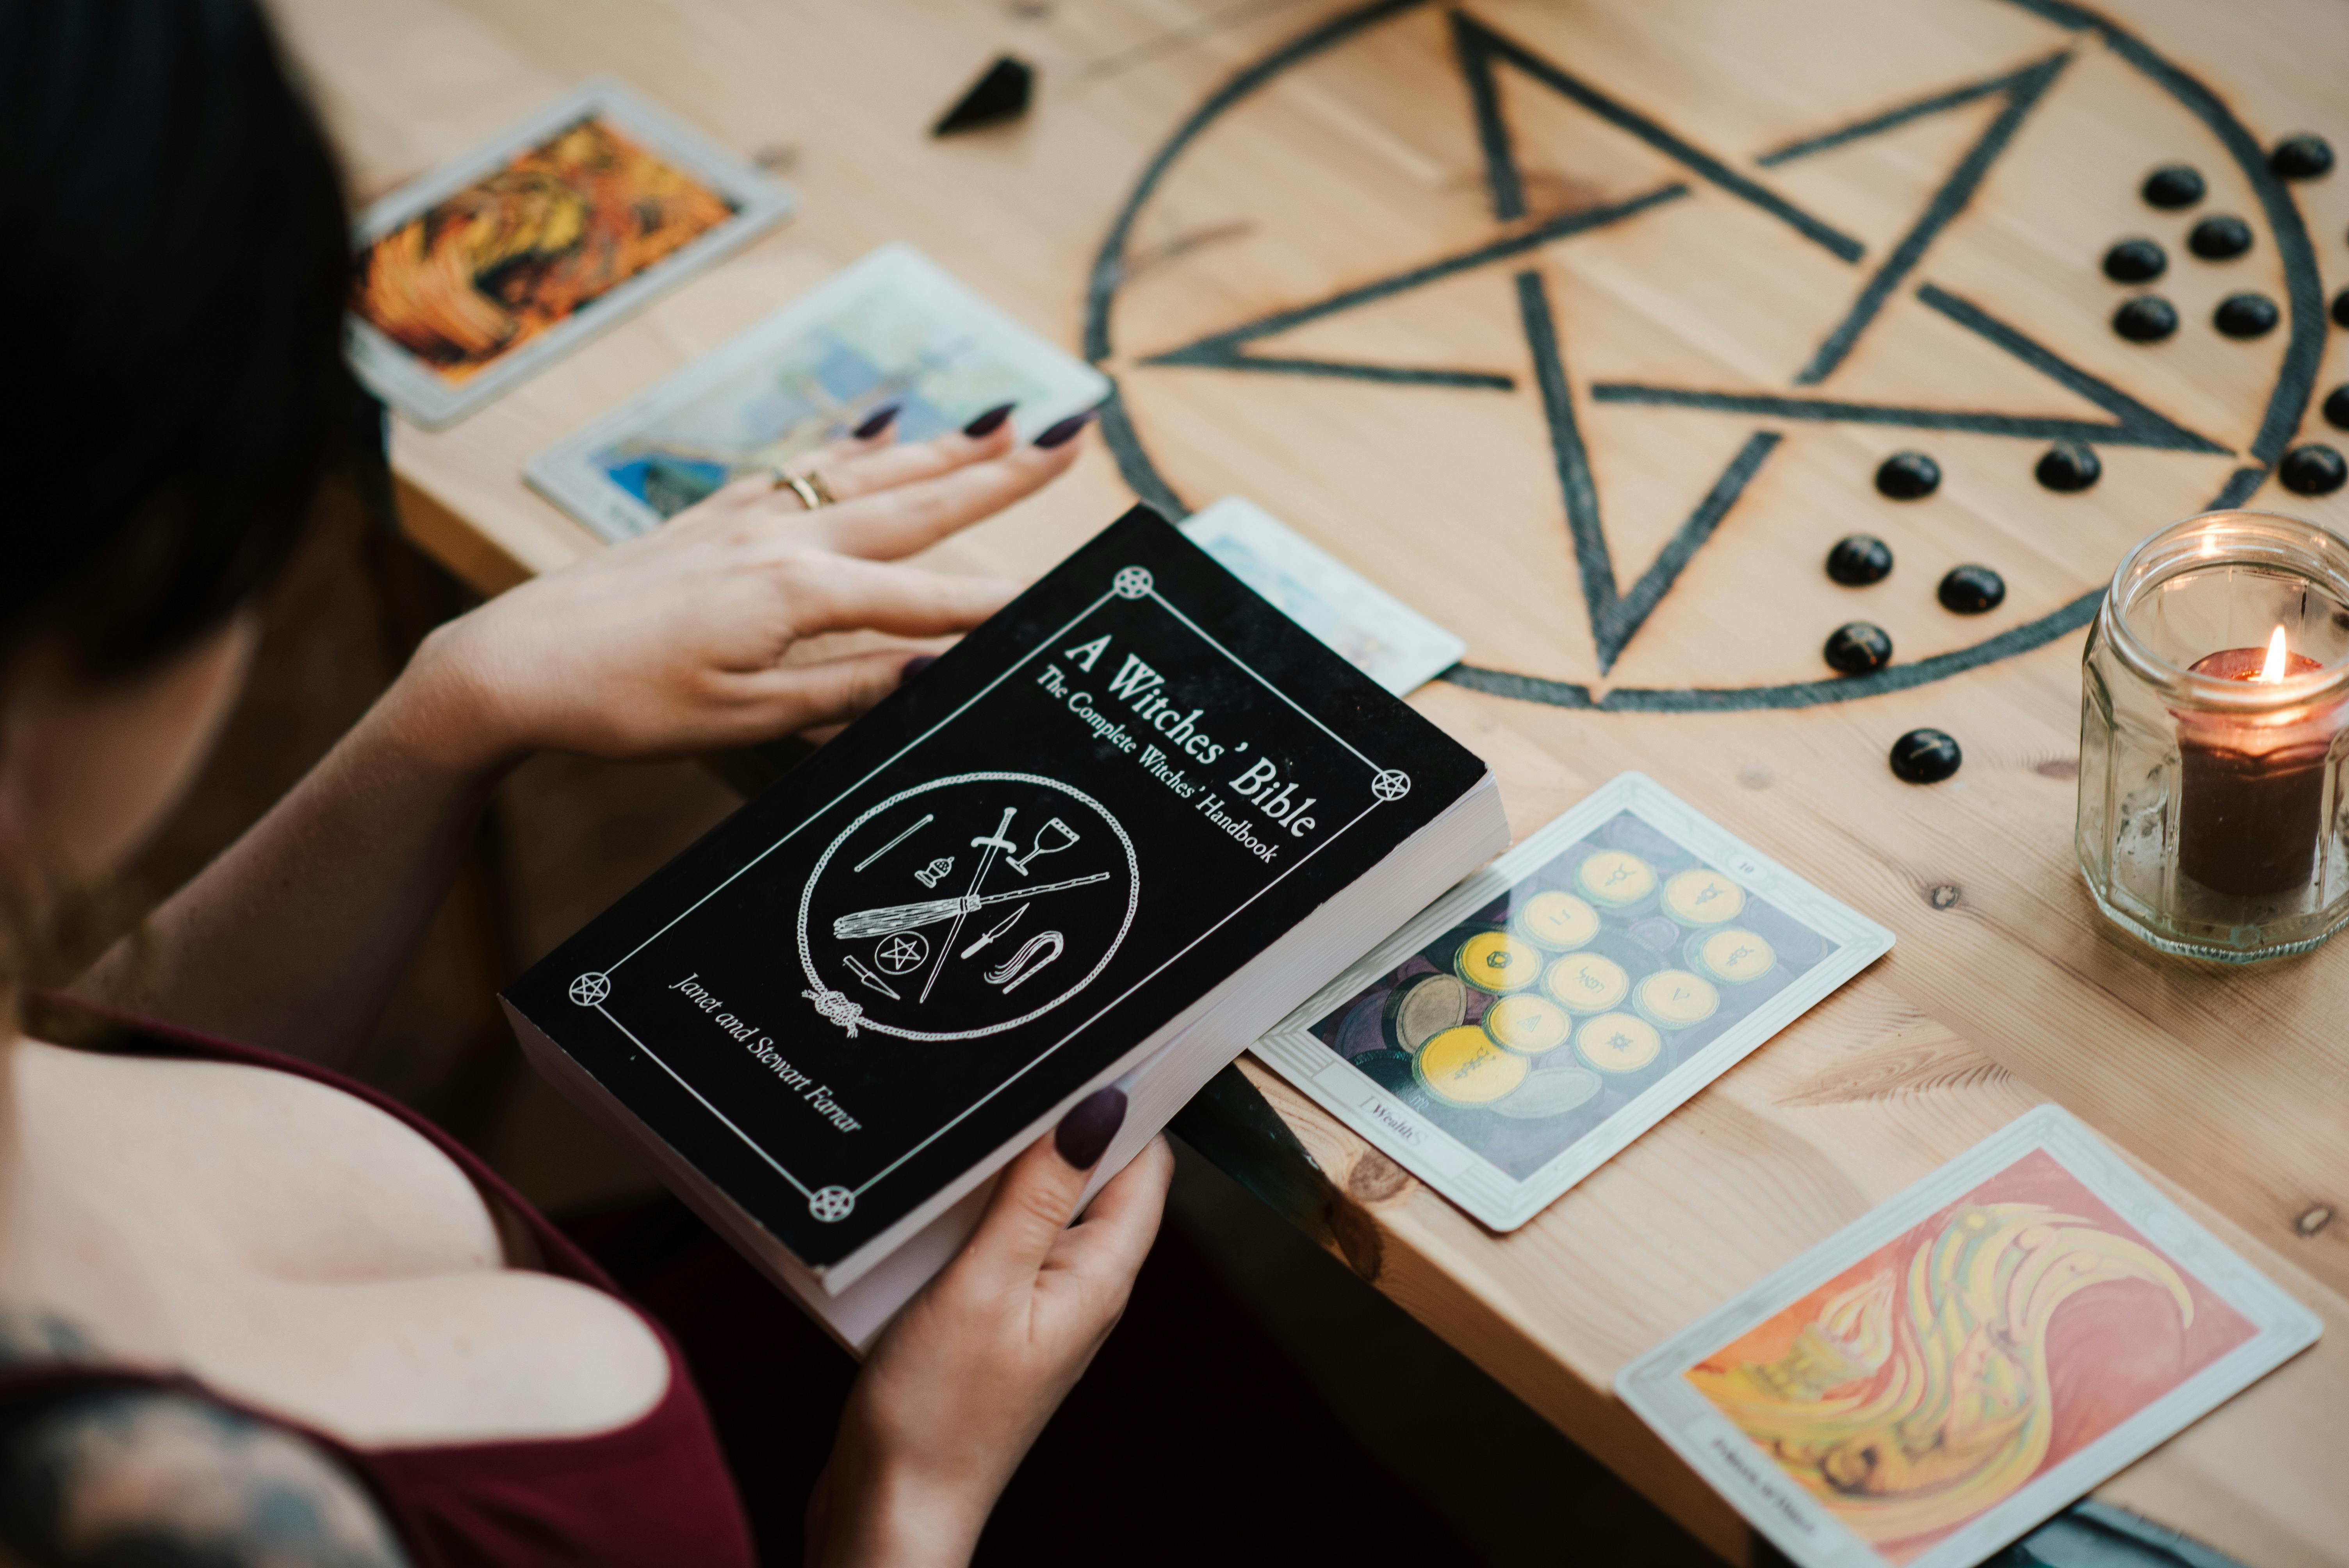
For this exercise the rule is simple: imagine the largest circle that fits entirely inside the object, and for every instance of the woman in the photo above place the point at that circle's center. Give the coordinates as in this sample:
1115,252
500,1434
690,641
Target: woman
248,1313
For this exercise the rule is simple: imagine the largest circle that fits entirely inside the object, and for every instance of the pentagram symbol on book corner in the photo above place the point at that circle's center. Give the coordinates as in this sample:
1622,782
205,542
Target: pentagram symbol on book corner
1770,224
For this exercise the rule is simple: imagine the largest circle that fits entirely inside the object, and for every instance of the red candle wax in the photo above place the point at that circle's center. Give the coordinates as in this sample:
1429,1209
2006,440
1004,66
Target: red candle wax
2252,794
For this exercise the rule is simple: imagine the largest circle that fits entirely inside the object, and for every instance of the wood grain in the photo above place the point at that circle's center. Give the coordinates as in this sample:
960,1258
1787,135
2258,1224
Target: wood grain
2230,1087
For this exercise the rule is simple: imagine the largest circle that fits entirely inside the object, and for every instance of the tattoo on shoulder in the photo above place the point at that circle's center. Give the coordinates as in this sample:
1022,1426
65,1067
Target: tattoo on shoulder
163,1480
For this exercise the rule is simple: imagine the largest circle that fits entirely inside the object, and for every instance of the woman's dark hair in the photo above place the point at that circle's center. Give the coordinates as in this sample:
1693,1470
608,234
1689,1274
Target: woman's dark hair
172,278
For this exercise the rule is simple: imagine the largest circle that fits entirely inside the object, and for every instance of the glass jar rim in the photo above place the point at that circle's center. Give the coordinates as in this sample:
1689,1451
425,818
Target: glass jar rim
2262,539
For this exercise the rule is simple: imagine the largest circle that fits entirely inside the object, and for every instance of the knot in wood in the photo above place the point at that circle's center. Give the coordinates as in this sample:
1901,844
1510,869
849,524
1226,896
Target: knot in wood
2314,1220
1944,895
1375,1178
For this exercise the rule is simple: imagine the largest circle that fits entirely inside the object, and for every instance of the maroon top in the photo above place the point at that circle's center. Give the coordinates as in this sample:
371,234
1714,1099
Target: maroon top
654,1491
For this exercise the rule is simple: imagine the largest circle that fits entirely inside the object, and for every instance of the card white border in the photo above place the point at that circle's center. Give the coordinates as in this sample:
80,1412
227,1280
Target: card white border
1652,1385
418,392
566,474
1450,1165
1434,648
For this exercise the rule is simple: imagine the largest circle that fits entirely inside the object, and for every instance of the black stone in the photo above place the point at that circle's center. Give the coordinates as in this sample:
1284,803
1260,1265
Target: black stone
1860,559
2301,156
2336,408
1925,757
2341,308
1971,590
2315,468
1858,647
999,95
2220,238
2136,261
1905,475
2173,185
2245,316
2148,318
2069,466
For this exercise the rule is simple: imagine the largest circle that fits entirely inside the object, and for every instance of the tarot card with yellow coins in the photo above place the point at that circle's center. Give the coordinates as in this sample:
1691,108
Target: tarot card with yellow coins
1548,1010
1938,1377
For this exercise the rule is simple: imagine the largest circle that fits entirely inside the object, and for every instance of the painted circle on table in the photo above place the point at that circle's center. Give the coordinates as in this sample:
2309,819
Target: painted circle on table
2285,402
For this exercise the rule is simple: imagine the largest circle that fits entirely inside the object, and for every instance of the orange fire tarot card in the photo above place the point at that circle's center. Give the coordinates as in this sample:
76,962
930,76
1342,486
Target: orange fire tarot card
470,279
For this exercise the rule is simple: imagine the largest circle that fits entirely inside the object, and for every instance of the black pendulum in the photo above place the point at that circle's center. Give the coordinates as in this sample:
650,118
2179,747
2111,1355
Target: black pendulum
2245,316
2069,466
1860,559
2301,156
1907,476
2136,261
2148,318
1971,590
2220,238
2336,408
1857,647
2341,308
2173,185
2315,468
1925,757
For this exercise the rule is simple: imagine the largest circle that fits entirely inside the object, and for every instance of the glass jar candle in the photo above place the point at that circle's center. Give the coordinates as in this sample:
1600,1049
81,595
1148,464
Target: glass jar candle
2214,714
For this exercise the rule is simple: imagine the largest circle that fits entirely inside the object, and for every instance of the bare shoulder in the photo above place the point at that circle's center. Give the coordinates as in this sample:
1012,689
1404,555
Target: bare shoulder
115,1475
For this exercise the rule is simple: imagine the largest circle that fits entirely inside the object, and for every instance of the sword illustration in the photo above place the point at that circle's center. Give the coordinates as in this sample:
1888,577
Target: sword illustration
992,845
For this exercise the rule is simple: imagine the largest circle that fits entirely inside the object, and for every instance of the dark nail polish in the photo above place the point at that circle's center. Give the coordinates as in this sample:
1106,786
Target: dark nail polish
1084,1135
987,424
915,667
1066,430
879,421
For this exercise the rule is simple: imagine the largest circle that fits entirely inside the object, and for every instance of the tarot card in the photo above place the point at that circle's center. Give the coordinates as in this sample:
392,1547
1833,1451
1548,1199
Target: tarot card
1531,1022
479,274
892,327
1372,630
1933,1380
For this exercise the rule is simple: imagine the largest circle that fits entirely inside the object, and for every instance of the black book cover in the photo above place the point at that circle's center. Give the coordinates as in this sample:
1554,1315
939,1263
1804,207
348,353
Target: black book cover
991,888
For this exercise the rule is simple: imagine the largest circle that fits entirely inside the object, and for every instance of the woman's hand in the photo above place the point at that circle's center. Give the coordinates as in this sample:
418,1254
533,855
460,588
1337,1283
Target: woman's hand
673,643
962,1382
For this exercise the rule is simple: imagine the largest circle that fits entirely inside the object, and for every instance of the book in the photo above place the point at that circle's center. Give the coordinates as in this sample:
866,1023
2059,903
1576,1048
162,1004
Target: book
1109,836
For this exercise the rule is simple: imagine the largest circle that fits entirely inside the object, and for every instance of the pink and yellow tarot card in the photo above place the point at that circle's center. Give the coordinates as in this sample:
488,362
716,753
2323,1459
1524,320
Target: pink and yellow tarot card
1935,1379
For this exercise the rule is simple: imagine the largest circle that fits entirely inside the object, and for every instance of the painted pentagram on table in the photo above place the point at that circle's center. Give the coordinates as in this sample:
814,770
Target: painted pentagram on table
1951,384
964,907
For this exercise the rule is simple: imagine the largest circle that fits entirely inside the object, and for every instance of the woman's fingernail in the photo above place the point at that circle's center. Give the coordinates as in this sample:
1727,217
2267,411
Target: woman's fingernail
987,424
1084,1135
879,421
1066,430
915,667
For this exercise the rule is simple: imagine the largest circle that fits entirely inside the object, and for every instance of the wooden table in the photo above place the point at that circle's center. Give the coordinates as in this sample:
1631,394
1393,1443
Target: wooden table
1613,297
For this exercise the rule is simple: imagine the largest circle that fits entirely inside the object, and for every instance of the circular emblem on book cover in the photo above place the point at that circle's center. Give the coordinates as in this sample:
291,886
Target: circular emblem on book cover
831,1204
1392,784
590,989
1133,582
966,906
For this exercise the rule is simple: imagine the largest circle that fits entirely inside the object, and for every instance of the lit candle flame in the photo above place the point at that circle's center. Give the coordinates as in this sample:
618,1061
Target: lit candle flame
2279,661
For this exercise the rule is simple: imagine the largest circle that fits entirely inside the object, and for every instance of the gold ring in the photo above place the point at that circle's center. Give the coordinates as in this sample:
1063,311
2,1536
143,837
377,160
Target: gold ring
809,487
